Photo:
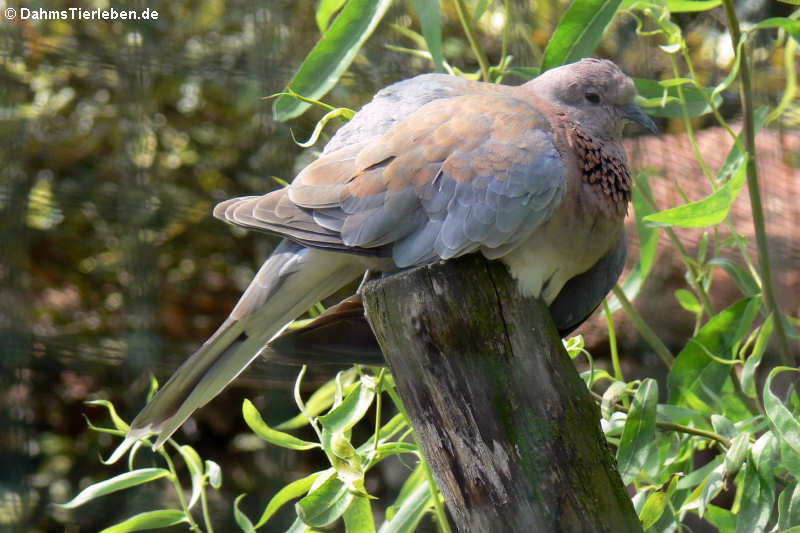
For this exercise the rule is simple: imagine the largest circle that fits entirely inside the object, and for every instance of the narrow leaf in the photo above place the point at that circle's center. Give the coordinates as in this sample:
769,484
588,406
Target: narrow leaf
579,31
120,482
279,438
431,23
791,26
660,101
783,423
326,10
350,411
748,377
638,436
148,520
408,514
692,6
325,504
293,490
332,55
707,212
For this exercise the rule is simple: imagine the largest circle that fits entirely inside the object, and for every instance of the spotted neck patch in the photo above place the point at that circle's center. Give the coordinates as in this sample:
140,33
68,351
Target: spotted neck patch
605,171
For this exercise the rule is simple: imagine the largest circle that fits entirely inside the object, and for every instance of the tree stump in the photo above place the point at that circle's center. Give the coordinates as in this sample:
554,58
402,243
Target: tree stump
505,422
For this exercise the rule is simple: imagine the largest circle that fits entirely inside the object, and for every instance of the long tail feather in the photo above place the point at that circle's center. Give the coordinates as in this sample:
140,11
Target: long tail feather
288,283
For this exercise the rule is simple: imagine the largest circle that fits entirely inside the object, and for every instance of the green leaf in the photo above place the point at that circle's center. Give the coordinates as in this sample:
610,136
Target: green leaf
692,6
660,101
242,521
688,301
723,426
758,489
736,454
273,436
789,507
431,23
331,56
120,482
748,377
149,520
653,509
792,27
408,512
325,504
350,411
119,423
195,467
782,422
740,276
358,517
293,490
723,519
707,212
698,381
325,10
321,399
579,31
638,436
698,476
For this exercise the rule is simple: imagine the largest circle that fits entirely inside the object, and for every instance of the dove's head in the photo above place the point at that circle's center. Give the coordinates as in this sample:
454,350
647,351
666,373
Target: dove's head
595,93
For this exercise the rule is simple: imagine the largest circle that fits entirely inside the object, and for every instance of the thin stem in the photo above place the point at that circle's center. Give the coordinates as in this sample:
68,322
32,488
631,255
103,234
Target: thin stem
705,301
644,330
178,489
671,426
206,514
746,91
612,342
469,29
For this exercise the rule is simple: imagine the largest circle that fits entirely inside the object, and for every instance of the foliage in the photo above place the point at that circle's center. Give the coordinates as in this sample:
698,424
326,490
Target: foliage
715,402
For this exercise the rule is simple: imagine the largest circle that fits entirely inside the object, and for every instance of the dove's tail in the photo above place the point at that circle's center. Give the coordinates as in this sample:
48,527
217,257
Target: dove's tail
289,282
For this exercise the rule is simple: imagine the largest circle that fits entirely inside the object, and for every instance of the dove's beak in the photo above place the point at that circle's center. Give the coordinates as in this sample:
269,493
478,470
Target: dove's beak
634,113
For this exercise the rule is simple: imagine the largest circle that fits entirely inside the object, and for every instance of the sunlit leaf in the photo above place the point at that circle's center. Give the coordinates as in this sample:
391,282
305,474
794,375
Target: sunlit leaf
120,482
332,55
350,411
325,10
253,419
707,212
149,520
791,26
358,516
692,6
325,504
408,512
687,300
579,31
293,490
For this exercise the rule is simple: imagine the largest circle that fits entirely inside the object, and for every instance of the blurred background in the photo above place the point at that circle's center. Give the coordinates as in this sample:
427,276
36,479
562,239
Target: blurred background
116,140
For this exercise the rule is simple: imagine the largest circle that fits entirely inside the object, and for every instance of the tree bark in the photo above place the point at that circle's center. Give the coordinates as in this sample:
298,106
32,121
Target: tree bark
504,420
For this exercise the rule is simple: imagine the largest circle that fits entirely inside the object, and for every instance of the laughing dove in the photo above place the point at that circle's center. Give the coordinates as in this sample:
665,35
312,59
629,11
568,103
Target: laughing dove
433,168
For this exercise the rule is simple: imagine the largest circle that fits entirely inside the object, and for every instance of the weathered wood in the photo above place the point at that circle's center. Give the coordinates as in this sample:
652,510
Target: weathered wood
504,420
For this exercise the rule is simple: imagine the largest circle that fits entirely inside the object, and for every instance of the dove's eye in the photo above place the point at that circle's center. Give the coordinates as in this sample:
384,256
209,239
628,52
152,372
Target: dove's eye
592,97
